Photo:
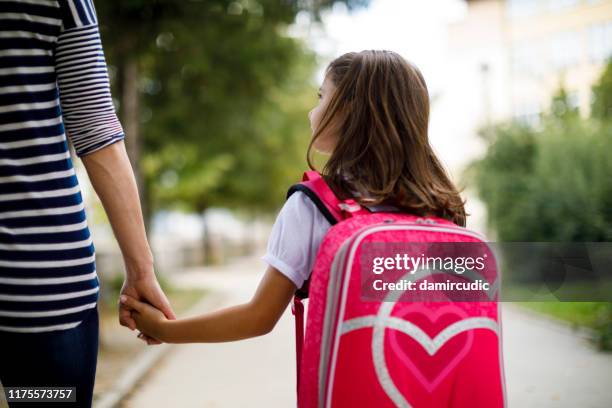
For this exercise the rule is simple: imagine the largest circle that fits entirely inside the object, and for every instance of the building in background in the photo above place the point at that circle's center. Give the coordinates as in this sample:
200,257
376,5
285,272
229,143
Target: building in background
556,42
506,59
521,51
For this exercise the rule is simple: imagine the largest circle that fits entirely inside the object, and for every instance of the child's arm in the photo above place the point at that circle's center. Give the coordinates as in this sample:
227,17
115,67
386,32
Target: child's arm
251,319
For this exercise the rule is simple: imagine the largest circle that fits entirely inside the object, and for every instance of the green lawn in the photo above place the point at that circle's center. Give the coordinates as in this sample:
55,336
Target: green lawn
180,299
593,315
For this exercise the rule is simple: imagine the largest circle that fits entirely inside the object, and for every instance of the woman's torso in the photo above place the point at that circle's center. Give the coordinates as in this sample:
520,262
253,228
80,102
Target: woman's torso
47,271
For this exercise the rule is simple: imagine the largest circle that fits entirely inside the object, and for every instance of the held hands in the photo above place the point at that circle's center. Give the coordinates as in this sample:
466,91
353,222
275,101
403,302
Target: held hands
144,289
147,319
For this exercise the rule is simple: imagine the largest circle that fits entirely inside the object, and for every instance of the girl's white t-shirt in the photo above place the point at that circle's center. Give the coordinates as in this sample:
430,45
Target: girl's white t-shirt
295,238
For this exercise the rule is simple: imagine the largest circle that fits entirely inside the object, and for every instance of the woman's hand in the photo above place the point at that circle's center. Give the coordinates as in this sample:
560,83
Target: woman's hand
254,318
143,288
149,320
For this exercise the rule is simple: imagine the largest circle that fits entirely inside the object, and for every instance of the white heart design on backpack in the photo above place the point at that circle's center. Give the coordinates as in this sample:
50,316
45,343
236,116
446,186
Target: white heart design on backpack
430,345
384,321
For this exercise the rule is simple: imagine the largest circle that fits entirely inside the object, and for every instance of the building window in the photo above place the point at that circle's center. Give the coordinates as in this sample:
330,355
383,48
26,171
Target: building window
600,41
573,100
561,5
523,8
527,59
565,49
528,113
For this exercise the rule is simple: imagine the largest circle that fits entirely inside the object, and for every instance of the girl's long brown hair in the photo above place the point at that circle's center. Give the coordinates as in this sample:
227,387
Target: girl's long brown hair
381,107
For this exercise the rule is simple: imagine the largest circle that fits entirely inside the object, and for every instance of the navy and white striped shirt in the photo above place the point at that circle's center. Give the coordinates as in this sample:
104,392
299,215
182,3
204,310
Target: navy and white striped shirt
53,88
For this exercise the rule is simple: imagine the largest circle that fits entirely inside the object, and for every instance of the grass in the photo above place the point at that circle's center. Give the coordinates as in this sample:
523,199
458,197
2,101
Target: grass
180,299
593,315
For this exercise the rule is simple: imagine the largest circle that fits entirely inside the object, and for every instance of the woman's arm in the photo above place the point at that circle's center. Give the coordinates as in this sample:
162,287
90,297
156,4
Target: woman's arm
97,136
251,319
111,175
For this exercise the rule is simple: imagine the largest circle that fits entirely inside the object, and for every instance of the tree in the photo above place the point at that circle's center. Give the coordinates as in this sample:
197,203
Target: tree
552,183
193,78
601,107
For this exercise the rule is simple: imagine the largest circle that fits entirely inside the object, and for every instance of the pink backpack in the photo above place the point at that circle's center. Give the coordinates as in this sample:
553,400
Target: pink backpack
390,353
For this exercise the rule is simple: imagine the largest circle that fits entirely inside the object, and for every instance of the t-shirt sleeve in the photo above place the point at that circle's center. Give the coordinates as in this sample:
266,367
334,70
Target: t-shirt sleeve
87,107
295,238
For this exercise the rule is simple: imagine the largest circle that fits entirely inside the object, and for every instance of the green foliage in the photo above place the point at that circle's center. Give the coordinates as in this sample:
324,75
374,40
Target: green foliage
225,96
548,184
594,315
560,107
601,107
553,183
502,178
241,147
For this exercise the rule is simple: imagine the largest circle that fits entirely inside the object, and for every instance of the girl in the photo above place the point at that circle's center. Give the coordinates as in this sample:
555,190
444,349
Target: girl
371,120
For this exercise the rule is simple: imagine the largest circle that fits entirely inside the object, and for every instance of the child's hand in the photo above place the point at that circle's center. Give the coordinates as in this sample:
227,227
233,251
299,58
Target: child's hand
149,320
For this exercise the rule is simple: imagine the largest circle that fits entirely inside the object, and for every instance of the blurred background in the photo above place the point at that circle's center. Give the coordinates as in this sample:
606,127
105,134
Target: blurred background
214,96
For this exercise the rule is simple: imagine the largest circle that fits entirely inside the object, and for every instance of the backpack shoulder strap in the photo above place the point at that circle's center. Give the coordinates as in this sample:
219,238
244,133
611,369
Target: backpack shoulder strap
317,190
334,210
331,207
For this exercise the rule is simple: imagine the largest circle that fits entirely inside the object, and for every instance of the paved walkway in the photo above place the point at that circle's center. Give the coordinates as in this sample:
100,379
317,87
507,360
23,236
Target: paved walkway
546,364
258,372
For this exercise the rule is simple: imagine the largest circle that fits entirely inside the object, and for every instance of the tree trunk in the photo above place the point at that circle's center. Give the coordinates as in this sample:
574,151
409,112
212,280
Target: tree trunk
213,251
130,118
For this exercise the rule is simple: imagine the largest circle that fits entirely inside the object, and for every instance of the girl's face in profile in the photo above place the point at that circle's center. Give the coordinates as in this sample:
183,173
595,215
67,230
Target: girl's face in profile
326,141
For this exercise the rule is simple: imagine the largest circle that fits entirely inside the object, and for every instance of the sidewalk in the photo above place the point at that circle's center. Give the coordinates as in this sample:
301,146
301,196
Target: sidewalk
254,373
547,365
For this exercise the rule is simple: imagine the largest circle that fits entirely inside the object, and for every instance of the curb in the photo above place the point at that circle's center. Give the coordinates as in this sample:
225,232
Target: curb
3,402
145,361
125,384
